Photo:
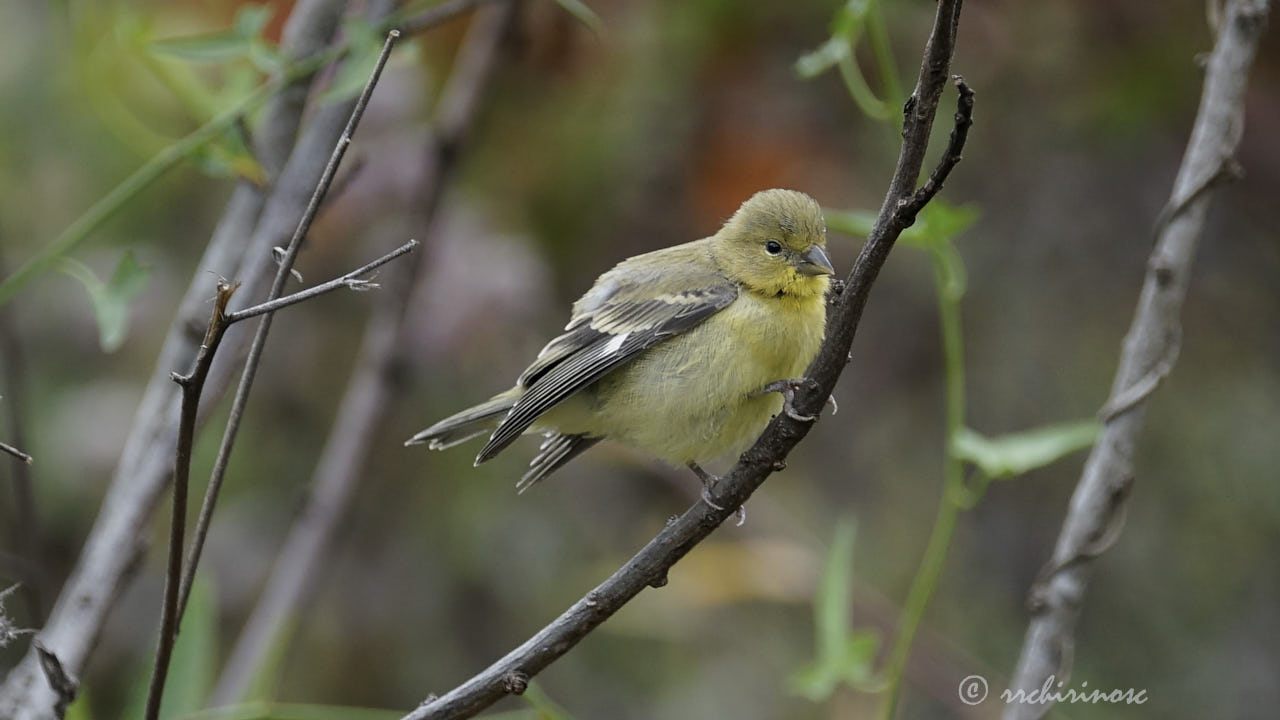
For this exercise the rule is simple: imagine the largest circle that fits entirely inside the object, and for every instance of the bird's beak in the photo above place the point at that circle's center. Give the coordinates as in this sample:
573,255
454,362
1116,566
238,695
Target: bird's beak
815,262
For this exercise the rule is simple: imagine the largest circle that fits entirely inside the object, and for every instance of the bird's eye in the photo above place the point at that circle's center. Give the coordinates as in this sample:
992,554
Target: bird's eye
773,247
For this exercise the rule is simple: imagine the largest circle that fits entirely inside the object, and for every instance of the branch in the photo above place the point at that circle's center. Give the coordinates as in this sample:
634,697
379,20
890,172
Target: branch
1097,508
351,280
372,386
115,542
11,450
26,525
648,568
178,579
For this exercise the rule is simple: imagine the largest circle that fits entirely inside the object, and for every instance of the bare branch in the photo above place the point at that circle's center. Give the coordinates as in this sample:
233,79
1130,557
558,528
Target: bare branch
26,525
11,450
648,568
178,581
192,385
367,397
1097,508
351,280
115,542
260,338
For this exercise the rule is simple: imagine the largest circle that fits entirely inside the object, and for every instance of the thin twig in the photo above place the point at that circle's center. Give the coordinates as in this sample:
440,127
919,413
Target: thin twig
192,384
1096,513
178,579
649,567
350,280
5,448
26,522
337,474
260,337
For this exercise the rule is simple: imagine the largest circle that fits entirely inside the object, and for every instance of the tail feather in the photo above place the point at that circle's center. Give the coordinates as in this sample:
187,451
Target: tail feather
461,427
556,450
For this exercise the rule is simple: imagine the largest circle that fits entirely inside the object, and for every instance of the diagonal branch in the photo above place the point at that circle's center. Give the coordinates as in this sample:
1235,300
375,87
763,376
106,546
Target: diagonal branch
648,568
1097,508
11,450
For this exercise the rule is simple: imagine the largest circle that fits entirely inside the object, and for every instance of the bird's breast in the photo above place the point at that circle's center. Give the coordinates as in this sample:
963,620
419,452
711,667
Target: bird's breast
689,398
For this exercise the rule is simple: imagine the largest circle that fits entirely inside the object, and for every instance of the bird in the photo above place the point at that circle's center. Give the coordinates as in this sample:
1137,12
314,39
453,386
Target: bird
684,353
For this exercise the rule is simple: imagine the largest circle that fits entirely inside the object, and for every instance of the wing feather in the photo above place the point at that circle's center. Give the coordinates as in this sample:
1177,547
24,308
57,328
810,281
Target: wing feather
600,338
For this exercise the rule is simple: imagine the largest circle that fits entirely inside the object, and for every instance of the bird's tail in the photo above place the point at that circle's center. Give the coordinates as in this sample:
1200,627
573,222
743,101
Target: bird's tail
472,422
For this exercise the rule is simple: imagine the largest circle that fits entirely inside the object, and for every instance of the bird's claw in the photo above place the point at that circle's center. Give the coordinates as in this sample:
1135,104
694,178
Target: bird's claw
787,388
706,497
708,481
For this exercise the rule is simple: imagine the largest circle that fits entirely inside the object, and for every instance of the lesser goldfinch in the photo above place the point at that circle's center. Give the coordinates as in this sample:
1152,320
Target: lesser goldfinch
680,352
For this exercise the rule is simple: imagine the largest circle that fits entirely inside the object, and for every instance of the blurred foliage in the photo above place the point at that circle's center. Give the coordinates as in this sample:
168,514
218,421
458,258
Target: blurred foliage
594,147
843,655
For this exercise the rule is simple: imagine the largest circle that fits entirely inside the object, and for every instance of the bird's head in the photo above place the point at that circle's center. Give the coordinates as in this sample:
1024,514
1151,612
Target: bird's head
776,245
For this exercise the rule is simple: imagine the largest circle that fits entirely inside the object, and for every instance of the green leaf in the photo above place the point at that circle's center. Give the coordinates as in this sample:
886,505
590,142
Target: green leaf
939,222
110,299
229,157
842,655
192,668
1016,453
857,223
584,14
846,26
222,45
825,57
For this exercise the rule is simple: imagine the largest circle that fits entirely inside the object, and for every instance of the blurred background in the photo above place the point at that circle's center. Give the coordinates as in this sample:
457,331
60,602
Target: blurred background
591,147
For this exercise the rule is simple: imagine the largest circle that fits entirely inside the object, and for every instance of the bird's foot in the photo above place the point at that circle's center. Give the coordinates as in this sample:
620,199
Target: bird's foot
709,481
787,388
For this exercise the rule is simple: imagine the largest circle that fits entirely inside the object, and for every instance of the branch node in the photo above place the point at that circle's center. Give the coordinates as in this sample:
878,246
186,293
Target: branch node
63,684
515,682
659,579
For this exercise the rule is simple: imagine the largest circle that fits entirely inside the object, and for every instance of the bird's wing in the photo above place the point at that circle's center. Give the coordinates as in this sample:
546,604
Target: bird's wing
611,325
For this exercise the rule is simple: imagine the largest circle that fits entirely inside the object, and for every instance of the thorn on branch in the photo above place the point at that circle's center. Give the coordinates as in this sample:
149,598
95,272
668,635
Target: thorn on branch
359,285
280,254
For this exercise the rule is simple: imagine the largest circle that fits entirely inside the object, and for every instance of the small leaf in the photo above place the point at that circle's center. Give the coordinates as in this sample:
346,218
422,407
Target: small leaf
825,57
584,14
843,656
251,20
939,221
111,299
1016,453
222,45
265,56
846,26
228,156
857,223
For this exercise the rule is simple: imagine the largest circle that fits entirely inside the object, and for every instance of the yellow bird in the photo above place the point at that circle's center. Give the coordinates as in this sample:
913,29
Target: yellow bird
677,352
